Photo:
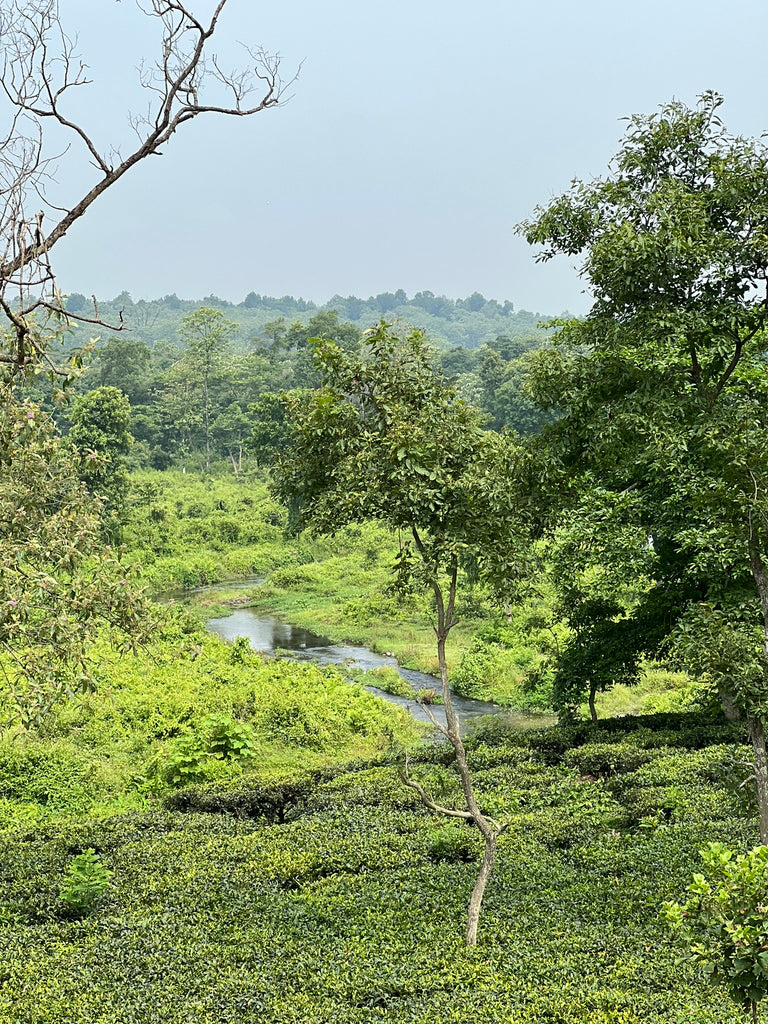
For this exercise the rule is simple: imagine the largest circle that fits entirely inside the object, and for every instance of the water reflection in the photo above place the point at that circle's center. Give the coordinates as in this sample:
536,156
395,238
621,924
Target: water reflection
269,634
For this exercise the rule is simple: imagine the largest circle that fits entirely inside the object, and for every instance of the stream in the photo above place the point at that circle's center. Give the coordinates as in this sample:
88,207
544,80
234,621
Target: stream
268,634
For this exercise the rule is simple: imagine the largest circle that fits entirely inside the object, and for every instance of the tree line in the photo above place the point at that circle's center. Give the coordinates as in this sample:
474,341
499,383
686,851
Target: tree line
203,399
468,322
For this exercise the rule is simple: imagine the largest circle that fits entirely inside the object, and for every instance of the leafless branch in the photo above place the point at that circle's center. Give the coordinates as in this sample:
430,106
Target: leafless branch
426,799
428,712
39,70
499,827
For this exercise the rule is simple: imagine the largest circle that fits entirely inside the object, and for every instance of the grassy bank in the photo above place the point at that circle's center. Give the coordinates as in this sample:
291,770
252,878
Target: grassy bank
188,708
188,532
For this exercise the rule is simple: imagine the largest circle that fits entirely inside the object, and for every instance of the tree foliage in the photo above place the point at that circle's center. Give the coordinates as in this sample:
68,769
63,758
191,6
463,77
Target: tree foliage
58,582
723,922
101,437
661,389
388,439
59,585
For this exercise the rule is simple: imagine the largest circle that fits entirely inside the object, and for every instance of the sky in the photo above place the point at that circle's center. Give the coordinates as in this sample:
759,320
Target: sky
417,136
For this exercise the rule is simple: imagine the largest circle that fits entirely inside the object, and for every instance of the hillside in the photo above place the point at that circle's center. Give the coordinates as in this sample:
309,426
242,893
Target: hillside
468,323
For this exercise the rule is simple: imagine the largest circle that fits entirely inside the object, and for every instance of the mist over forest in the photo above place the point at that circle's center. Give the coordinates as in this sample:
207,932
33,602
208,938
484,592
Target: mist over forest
468,322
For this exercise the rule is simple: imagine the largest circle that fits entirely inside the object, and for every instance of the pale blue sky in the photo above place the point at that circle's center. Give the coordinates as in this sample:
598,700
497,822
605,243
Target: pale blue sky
419,133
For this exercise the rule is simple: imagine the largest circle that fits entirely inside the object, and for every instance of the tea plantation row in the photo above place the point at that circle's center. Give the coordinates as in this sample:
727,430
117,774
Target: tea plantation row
336,897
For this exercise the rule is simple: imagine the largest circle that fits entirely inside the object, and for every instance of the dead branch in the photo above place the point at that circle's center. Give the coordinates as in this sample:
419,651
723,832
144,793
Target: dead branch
426,799
39,71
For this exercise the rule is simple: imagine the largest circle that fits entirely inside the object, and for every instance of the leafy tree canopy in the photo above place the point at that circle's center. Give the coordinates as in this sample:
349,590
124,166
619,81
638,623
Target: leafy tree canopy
662,389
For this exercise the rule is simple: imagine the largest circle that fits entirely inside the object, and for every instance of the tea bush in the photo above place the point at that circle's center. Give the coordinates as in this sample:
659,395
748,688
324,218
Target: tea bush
332,894
86,883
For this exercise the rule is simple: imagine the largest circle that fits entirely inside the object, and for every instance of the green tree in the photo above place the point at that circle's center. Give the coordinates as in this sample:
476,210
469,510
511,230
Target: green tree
123,362
270,430
322,325
59,582
100,433
662,388
387,439
230,431
276,330
206,332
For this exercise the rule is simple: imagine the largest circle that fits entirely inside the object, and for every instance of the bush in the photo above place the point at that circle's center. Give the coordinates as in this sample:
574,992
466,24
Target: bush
452,843
196,756
275,801
724,922
606,759
86,883
389,680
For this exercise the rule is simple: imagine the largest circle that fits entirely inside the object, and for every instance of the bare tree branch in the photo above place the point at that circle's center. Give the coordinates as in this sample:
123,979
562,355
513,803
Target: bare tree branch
39,70
427,800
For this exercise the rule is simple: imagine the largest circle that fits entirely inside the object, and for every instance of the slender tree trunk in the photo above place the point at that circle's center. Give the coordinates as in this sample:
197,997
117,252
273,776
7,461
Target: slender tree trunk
207,408
489,834
592,708
729,705
757,739
478,890
445,622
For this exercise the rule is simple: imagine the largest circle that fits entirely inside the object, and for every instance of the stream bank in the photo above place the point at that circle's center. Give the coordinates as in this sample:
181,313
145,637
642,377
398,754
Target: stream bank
270,635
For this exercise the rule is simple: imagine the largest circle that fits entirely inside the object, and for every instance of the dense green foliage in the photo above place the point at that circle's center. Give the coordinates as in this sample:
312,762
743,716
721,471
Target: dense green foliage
661,394
204,388
59,583
466,323
349,910
184,709
724,920
101,437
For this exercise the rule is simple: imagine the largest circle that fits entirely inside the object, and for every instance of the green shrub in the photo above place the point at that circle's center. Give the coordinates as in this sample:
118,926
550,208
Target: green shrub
86,882
452,843
275,801
229,739
194,757
605,759
724,922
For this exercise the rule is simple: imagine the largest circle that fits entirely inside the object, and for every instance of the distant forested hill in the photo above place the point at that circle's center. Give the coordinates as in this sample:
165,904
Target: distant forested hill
468,323
204,377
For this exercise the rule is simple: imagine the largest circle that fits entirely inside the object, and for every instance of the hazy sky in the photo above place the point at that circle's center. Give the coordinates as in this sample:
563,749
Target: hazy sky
418,135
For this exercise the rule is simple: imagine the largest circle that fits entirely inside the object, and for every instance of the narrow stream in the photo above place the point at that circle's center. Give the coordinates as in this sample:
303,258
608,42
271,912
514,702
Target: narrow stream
269,634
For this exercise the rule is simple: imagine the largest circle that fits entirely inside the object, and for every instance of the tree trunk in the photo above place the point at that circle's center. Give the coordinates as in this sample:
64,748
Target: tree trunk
592,709
489,829
754,723
445,622
757,739
207,427
478,891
